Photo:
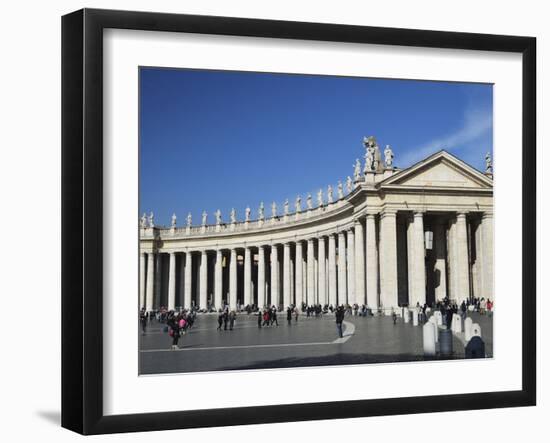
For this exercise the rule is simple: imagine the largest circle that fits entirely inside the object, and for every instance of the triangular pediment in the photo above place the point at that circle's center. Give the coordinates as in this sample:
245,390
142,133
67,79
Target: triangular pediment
441,170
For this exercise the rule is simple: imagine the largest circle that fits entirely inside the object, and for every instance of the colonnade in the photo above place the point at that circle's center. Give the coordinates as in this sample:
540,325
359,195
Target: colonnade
359,264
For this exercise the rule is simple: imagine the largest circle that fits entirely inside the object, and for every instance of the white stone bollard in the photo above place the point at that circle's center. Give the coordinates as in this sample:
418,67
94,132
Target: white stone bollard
433,321
438,318
428,336
456,324
475,330
406,315
415,317
467,329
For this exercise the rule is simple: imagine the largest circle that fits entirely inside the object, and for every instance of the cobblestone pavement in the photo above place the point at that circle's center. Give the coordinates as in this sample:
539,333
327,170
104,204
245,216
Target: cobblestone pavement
308,342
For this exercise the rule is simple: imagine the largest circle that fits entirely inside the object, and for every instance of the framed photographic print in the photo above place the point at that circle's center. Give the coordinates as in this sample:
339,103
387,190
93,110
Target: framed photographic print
331,221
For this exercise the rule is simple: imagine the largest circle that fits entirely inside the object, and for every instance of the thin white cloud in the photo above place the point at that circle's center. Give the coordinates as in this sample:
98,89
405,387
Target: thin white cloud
477,123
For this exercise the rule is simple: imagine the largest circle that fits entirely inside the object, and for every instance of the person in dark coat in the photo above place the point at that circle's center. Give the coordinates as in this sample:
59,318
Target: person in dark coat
289,315
339,320
225,320
260,318
174,331
475,348
220,321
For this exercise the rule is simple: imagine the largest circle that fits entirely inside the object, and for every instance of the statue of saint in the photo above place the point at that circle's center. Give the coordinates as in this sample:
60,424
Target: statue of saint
204,215
340,190
309,202
286,207
320,198
261,211
388,156
247,213
349,185
329,193
218,215
274,209
357,170
298,204
233,215
488,164
189,220
174,220
151,220
143,221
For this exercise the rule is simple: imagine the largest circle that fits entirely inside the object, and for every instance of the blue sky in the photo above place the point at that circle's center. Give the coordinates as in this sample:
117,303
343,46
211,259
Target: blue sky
219,139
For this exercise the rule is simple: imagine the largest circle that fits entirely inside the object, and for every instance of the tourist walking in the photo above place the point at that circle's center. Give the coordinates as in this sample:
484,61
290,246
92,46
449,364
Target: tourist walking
174,331
339,320
289,315
260,318
220,321
232,316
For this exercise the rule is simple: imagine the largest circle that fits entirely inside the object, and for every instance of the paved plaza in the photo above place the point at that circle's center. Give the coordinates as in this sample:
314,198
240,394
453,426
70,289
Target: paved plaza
307,342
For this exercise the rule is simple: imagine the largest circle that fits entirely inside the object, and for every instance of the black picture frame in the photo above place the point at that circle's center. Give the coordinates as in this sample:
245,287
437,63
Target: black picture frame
82,218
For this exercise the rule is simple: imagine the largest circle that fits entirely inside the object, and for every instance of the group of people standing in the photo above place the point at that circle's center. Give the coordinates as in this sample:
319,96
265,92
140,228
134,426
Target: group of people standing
225,318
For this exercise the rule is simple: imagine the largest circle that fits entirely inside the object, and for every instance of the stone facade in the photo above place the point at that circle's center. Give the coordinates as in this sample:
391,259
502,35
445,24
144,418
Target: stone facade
366,246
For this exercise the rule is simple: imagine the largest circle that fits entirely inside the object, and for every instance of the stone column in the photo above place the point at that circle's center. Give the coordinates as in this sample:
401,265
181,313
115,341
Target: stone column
418,263
261,277
372,264
142,287
233,280
352,296
218,280
342,270
158,280
203,282
332,288
286,275
310,272
440,262
360,264
452,260
410,259
388,260
275,276
247,276
172,282
298,263
463,277
487,290
187,283
322,274
150,281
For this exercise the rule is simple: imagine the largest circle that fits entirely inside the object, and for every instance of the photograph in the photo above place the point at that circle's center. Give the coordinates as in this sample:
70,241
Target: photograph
293,220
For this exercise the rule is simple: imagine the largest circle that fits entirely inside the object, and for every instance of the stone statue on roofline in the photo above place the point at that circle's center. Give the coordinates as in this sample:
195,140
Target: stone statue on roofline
189,220
488,164
286,207
274,209
357,170
349,184
261,211
233,215
309,201
151,220
388,157
340,190
247,214
174,220
143,221
298,204
218,215
204,216
320,198
329,193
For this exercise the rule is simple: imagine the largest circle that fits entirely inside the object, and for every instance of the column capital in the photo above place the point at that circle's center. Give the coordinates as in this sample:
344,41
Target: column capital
487,214
418,213
388,213
461,214
371,215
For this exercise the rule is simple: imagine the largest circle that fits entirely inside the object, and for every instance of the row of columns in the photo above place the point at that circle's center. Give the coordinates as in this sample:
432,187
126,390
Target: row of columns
361,267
